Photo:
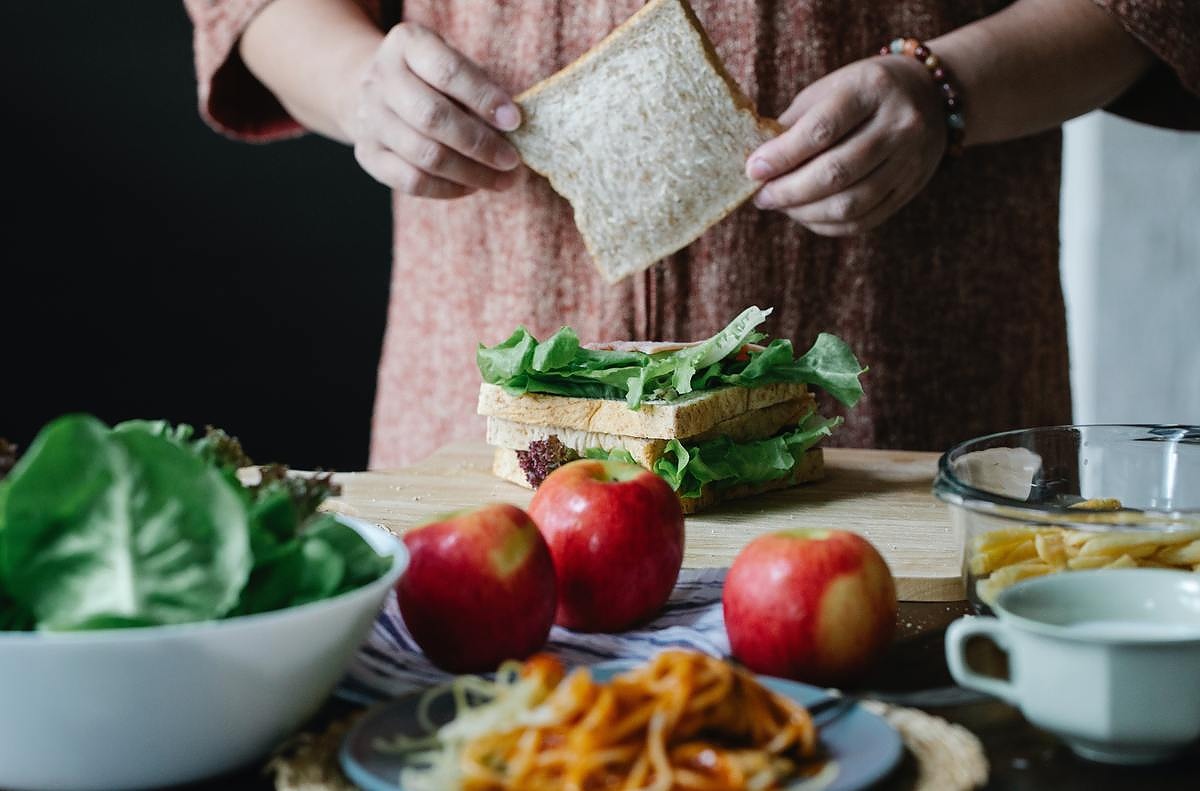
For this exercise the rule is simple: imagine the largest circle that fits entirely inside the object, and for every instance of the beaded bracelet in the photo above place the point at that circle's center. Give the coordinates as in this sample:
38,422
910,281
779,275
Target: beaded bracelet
955,123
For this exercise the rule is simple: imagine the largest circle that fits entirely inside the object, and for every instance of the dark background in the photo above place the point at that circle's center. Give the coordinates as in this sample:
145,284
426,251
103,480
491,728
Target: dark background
153,268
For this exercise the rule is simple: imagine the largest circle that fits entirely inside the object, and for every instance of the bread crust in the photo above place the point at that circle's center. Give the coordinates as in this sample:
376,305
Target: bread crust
687,417
767,125
749,426
649,9
736,93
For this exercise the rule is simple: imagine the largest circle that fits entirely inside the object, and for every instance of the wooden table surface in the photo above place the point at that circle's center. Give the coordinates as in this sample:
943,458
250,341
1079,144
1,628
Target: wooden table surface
884,495
858,493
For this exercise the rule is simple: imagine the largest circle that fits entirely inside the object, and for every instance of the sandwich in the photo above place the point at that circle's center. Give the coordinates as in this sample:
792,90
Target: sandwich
719,419
646,135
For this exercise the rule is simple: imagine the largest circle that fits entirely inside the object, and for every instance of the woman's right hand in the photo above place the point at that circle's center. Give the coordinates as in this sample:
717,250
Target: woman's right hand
427,120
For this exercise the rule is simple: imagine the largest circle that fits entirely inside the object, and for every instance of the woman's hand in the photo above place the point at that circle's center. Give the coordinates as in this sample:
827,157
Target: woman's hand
860,143
426,119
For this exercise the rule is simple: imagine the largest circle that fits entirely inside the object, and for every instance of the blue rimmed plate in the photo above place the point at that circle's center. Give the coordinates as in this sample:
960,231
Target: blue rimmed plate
860,747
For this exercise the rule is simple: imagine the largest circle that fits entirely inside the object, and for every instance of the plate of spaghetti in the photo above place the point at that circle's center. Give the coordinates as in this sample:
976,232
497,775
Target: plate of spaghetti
681,721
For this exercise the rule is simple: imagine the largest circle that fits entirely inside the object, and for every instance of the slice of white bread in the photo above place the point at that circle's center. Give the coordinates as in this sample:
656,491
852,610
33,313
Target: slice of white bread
688,416
752,425
646,135
811,468
760,422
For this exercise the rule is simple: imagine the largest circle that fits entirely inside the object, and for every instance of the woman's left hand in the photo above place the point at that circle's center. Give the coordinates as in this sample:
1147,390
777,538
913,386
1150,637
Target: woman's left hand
859,144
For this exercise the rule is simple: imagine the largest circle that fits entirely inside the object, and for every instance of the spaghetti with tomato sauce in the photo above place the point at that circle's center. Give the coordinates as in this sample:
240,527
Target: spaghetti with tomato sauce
683,721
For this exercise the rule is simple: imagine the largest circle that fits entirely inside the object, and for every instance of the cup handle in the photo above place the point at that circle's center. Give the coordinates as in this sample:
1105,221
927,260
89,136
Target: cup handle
956,640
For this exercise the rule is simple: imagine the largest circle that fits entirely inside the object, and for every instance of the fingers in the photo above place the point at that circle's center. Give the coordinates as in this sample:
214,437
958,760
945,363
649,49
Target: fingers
437,117
829,173
437,159
389,169
821,126
891,204
863,141
857,201
428,120
448,72
804,101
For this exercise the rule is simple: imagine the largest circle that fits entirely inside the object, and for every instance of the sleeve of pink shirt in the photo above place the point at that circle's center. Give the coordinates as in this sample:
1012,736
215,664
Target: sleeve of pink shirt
232,100
1169,94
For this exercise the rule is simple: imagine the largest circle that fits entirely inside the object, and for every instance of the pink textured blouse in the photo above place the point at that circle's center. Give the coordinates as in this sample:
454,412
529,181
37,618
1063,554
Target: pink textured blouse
954,303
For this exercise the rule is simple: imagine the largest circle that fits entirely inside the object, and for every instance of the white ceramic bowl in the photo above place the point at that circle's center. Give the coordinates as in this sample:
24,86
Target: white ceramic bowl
145,708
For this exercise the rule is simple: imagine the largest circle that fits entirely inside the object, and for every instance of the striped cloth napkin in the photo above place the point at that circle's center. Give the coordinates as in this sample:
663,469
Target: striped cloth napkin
389,663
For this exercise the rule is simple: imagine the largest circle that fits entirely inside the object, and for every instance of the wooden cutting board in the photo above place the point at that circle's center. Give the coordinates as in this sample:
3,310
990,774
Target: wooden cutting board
883,495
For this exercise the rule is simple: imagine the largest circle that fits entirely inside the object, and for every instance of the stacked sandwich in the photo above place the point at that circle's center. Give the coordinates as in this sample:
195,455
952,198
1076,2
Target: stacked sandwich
647,136
718,419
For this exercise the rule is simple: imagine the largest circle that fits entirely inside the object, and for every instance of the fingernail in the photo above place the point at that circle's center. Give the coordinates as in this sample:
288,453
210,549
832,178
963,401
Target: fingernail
508,117
763,200
758,168
507,158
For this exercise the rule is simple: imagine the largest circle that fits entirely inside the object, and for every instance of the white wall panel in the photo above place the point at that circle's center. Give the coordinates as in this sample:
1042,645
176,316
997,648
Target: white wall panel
1131,270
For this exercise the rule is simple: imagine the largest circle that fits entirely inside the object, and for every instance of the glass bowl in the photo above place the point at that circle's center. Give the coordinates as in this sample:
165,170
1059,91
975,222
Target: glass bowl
1064,498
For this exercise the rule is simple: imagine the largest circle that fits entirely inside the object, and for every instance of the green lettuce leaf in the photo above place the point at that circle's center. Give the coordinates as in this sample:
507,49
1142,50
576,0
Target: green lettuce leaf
326,559
361,563
558,366
561,366
723,462
726,342
616,454
829,364
556,352
143,525
508,361
673,465
120,528
14,617
181,434
277,575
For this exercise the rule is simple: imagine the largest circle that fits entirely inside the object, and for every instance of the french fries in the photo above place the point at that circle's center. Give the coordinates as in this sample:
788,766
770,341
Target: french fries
1003,557
1098,504
1185,555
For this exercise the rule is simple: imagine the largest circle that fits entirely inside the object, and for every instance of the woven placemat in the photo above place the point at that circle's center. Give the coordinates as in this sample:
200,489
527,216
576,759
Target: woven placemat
947,757
941,756
309,761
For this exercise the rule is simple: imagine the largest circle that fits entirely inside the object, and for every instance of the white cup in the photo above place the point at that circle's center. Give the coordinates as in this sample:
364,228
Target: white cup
1107,660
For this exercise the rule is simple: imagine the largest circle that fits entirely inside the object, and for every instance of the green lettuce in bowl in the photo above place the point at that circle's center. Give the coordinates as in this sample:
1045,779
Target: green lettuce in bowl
145,524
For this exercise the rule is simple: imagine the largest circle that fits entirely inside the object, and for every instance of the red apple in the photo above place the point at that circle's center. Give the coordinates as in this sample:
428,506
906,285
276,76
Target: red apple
479,588
812,605
615,532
